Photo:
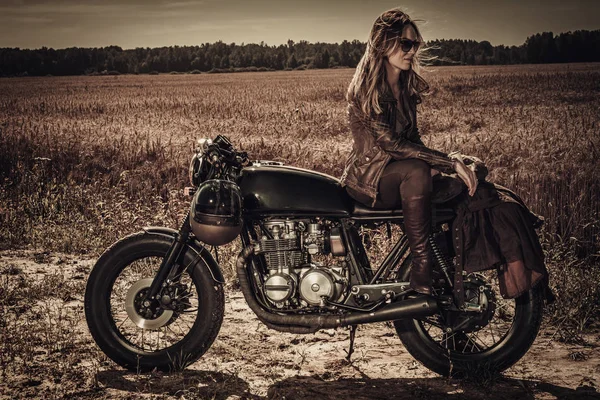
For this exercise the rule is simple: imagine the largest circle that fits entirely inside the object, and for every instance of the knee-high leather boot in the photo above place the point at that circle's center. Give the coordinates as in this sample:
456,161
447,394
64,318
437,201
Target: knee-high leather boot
417,227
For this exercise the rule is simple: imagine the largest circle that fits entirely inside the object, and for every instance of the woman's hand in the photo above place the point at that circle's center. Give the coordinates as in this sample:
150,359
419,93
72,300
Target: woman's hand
466,174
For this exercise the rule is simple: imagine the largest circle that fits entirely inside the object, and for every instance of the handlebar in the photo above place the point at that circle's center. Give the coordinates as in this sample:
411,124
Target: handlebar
218,155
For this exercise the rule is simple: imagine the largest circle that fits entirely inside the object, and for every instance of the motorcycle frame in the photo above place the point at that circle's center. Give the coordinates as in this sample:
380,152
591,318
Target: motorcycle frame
361,272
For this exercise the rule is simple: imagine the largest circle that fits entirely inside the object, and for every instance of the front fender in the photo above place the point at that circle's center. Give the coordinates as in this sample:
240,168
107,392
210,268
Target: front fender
195,246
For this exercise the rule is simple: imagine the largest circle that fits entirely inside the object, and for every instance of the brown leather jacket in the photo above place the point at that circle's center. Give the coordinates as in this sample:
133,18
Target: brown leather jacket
377,141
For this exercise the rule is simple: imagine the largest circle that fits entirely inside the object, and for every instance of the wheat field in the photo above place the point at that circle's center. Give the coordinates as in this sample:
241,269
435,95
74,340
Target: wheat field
87,160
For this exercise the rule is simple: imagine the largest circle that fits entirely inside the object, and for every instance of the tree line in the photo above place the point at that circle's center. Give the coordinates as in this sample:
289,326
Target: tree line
578,46
541,48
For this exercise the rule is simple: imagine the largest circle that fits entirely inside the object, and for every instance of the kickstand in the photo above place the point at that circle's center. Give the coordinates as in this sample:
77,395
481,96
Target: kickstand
352,335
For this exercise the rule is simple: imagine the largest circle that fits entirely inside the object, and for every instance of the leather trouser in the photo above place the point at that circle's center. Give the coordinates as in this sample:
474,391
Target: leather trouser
407,183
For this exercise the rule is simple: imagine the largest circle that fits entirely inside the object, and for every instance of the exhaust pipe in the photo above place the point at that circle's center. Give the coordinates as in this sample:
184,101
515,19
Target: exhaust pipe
404,309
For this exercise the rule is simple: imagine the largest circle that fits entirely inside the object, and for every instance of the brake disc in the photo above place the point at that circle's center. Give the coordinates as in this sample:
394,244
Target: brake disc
144,316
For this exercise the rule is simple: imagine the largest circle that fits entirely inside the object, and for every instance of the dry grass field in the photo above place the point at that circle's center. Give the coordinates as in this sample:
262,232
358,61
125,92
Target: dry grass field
87,160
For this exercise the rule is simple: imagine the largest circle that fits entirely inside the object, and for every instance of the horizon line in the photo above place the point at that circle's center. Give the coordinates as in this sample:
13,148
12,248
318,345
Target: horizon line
281,44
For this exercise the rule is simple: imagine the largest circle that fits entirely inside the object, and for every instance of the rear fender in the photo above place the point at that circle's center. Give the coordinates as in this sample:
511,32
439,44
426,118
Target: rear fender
195,246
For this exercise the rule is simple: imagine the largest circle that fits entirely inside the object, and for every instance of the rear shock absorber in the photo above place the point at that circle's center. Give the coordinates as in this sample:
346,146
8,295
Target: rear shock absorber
441,260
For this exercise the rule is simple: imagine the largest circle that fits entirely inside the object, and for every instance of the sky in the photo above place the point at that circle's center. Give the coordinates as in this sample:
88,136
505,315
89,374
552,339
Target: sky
155,23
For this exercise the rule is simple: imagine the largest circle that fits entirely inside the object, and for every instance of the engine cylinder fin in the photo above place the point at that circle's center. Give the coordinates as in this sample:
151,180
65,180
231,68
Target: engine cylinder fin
278,260
270,245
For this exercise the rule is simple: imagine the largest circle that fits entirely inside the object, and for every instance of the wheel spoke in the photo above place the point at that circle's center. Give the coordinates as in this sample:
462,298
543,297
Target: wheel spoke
466,344
185,269
187,296
492,332
447,338
122,322
474,338
440,335
468,340
474,346
430,322
181,332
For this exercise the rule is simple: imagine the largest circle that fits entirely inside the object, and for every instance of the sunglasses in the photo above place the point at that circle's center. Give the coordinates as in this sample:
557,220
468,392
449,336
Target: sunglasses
406,44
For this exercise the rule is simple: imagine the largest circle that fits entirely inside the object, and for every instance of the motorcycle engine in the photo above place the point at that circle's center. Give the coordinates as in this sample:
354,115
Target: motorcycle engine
293,281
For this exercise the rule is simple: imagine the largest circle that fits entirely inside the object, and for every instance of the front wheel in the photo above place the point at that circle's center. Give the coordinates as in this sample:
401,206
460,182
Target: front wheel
475,343
141,335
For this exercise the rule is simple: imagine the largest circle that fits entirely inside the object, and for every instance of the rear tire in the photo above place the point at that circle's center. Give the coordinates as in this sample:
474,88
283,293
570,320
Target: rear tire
526,313
185,334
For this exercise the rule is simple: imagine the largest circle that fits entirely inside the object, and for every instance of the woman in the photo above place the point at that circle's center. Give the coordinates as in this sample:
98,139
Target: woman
389,165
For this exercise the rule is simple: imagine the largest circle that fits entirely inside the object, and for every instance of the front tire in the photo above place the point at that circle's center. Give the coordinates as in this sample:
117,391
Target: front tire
477,352
133,336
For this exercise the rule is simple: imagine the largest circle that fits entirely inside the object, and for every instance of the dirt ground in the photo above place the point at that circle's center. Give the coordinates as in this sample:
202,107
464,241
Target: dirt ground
248,360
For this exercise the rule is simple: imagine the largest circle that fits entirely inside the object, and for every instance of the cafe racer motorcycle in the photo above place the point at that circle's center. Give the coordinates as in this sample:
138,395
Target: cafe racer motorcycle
155,298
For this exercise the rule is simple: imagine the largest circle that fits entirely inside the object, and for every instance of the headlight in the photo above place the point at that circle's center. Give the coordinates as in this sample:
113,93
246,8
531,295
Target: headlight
198,170
203,144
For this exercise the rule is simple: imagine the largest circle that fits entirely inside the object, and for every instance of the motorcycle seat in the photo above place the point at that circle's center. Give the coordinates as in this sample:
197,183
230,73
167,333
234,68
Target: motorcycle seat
445,188
359,210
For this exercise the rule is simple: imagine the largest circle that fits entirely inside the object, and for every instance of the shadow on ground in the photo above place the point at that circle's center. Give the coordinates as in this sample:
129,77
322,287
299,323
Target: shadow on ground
217,385
194,384
314,387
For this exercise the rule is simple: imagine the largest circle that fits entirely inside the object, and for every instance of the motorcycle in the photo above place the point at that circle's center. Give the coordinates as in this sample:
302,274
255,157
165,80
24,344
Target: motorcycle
155,299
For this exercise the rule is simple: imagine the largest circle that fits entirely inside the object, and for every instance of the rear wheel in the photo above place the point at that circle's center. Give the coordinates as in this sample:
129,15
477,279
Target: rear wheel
489,338
141,335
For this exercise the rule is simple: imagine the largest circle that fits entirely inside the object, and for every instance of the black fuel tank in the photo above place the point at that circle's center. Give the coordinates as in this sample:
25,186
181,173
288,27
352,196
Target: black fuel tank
284,190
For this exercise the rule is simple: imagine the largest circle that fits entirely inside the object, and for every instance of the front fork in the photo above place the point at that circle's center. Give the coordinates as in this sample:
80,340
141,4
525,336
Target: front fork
170,259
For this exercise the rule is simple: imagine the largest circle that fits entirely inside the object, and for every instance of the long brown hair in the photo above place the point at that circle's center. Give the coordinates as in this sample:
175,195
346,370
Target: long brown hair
368,82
